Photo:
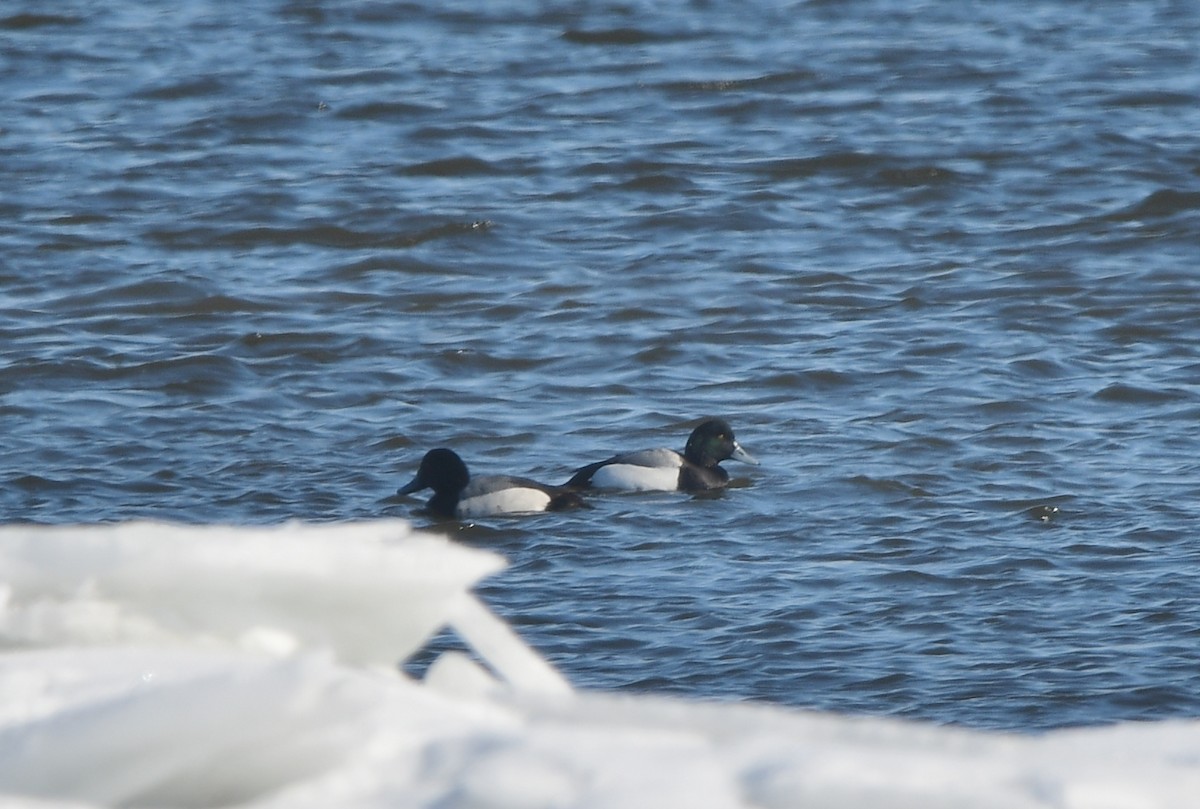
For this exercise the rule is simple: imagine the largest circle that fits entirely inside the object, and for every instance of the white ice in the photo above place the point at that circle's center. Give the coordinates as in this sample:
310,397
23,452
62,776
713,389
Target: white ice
173,666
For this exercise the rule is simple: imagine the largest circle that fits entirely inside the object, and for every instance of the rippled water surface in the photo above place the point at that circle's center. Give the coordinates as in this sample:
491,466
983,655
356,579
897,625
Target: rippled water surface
936,262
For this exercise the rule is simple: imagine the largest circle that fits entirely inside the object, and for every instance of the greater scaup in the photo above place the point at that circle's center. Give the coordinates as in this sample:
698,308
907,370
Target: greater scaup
696,469
456,494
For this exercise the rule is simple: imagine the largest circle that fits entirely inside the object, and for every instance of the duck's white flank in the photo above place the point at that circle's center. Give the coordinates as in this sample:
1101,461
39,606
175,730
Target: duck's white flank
504,501
634,478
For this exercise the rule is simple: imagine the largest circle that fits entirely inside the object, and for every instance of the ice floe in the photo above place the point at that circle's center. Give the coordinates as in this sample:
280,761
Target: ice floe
149,664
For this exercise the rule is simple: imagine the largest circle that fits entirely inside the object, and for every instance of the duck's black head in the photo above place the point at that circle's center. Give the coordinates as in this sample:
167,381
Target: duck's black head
441,470
712,442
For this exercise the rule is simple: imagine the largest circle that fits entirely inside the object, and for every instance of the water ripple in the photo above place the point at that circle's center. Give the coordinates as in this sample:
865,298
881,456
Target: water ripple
257,263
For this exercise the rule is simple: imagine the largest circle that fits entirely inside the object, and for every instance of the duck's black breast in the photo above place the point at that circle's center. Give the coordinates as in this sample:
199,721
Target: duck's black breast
696,478
443,503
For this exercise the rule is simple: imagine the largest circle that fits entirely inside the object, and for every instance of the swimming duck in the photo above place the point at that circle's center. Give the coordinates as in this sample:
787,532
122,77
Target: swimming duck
665,470
456,494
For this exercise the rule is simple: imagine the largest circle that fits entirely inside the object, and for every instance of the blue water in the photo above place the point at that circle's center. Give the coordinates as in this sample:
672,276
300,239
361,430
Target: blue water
935,262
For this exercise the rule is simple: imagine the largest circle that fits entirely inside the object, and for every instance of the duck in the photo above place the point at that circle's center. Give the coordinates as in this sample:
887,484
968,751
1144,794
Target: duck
696,469
456,494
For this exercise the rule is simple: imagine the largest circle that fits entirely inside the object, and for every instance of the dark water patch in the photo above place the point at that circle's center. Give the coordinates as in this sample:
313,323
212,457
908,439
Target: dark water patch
1010,419
1098,556
1127,394
40,105
25,22
894,683
1154,99
315,234
221,305
787,381
470,359
838,292
82,218
613,36
890,486
799,168
195,375
914,447
780,82
370,77
1040,368
152,486
393,443
71,242
657,184
379,110
916,176
817,379
38,484
193,87
911,577
316,347
1152,700
465,166
52,373
472,133
384,264
937,348
1160,204
1146,332
258,504
827,280
639,314
153,296
1144,535
658,355
1002,568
